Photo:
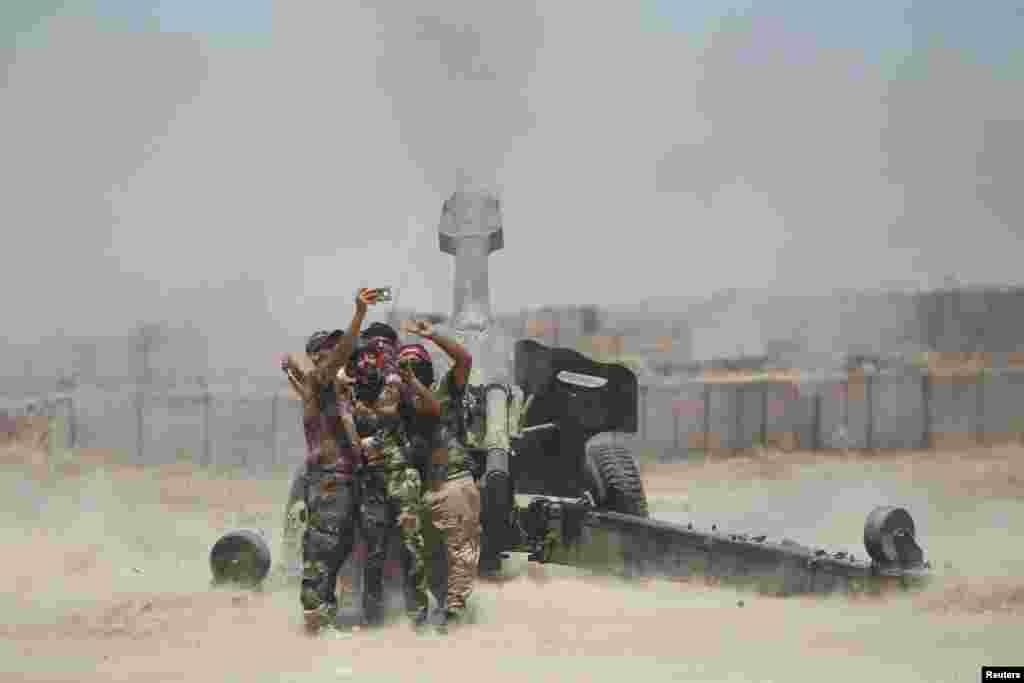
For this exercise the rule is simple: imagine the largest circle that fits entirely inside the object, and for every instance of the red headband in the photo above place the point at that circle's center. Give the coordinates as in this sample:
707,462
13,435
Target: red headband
417,350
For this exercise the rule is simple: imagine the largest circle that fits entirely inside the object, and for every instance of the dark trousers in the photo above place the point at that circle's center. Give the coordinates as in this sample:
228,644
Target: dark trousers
380,510
328,539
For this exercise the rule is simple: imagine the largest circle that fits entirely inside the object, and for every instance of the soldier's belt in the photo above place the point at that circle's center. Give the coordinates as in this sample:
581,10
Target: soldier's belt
317,523
444,473
438,472
330,471
385,469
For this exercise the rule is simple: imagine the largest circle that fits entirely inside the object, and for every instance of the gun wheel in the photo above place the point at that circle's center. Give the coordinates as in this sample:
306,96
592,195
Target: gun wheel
889,538
613,478
240,557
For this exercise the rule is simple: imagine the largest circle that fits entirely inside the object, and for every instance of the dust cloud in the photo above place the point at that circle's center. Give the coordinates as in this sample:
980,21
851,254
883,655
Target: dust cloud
106,579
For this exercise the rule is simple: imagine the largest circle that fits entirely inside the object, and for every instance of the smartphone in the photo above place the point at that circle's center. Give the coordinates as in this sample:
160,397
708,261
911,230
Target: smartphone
383,294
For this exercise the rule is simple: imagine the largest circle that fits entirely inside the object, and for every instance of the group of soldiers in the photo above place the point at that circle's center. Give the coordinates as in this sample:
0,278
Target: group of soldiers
385,455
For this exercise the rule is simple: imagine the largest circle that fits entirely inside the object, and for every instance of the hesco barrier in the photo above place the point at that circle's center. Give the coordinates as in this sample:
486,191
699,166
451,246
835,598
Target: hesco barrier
856,410
908,410
212,427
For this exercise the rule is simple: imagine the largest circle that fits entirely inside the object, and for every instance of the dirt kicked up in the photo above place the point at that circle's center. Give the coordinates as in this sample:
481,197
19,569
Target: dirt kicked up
105,578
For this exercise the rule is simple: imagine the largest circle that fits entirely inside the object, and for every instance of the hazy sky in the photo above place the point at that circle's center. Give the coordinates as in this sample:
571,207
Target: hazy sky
148,149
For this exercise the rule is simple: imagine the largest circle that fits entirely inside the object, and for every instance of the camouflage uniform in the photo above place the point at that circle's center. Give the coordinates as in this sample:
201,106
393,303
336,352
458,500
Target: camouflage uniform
393,491
326,543
330,498
454,501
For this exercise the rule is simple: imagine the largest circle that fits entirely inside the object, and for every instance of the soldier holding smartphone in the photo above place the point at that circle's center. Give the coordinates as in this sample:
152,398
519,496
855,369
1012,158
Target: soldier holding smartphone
453,497
333,460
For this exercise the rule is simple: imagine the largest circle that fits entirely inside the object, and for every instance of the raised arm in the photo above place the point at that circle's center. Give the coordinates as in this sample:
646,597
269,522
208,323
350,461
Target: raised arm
340,352
424,400
299,386
296,377
462,360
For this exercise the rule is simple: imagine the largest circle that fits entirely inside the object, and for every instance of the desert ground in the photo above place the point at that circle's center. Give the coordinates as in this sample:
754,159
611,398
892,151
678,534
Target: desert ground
106,578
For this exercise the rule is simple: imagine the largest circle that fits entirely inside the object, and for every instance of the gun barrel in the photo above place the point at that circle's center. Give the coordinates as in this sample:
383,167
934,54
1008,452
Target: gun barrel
498,432
471,308
470,230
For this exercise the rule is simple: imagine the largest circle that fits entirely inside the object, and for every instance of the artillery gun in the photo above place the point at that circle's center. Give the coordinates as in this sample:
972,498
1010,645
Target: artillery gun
552,428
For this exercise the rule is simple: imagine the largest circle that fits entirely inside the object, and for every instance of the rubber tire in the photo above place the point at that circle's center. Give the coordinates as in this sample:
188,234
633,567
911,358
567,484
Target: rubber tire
613,477
880,540
292,529
247,546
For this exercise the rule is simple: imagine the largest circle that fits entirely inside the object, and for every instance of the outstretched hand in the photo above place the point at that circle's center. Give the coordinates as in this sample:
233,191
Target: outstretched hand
406,373
420,328
365,298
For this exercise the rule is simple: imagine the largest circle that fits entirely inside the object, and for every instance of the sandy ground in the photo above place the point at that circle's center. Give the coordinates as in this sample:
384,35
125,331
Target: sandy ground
106,578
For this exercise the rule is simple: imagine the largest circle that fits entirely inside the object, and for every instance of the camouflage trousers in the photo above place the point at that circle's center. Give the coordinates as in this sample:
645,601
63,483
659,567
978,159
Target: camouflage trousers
326,543
455,513
392,504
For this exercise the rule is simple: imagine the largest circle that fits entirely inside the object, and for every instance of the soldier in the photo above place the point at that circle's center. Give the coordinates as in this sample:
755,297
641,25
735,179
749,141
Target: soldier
453,498
380,350
392,491
333,459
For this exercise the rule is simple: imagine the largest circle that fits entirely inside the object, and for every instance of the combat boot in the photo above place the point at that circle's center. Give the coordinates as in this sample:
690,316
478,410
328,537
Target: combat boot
450,618
372,616
317,619
418,620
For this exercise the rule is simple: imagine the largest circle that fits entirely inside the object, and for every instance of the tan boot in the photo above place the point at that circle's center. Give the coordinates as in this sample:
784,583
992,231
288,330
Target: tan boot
317,619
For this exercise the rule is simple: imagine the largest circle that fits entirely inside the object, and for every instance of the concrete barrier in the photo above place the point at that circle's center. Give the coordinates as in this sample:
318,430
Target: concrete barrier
722,411
953,411
898,412
800,411
688,411
858,411
1003,407
658,420
751,399
831,396
786,412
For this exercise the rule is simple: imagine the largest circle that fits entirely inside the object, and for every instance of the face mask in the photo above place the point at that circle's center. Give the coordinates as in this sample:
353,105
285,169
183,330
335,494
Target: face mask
366,425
